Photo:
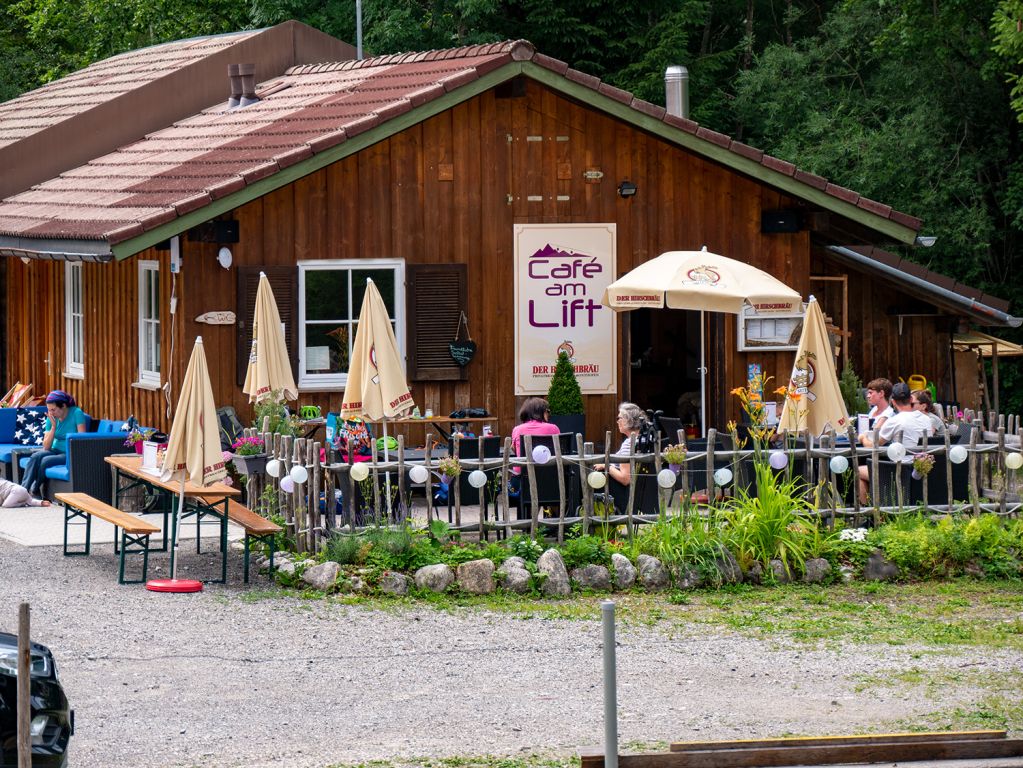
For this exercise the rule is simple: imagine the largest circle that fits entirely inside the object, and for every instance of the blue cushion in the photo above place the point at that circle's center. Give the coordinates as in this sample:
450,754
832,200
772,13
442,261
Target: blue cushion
111,425
60,472
7,424
5,451
29,427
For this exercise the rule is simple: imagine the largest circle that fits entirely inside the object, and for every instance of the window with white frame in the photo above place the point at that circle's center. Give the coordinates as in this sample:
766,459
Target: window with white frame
329,302
149,322
74,321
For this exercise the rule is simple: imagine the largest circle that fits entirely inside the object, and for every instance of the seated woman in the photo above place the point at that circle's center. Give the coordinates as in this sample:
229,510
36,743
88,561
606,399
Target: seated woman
922,402
13,495
631,423
534,419
63,418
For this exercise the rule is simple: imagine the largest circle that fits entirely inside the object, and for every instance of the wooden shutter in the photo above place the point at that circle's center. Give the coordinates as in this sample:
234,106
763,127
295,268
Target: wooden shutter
436,297
284,281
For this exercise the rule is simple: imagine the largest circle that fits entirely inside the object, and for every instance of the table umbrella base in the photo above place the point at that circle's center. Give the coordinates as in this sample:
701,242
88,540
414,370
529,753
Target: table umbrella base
174,585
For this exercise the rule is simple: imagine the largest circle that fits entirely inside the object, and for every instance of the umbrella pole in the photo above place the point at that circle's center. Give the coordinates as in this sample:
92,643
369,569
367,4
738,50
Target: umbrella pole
387,474
177,525
703,376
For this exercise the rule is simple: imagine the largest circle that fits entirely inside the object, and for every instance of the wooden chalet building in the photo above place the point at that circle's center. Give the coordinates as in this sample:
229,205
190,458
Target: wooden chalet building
428,172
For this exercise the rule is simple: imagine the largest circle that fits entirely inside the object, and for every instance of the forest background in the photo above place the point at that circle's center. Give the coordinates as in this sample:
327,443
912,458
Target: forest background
916,104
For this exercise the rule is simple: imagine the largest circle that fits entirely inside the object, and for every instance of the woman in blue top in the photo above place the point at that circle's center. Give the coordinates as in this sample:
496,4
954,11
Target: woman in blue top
63,417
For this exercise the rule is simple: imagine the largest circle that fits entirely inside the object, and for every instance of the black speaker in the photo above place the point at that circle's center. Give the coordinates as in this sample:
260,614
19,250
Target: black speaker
218,231
774,222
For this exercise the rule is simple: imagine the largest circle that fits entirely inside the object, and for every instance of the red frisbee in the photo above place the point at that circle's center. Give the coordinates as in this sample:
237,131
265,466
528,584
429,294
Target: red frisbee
174,585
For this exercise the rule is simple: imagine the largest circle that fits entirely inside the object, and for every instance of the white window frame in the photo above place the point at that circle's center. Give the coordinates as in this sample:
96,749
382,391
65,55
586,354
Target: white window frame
74,321
323,381
149,327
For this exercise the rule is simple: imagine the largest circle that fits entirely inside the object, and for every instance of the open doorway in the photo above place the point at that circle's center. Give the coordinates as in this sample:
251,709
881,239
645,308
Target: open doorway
665,361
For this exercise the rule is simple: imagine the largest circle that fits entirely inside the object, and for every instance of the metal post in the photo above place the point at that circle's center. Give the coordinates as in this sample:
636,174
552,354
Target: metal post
607,615
24,689
358,29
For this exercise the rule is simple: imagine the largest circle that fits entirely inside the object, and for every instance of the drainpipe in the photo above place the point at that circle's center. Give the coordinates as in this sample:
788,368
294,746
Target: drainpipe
676,91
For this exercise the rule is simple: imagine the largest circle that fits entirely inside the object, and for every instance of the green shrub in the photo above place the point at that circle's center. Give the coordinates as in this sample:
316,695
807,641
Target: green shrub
585,550
689,541
564,395
525,547
346,549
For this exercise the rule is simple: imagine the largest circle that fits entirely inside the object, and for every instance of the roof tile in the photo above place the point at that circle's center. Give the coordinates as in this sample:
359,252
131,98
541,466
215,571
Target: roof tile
873,206
193,203
811,179
328,140
617,94
912,222
582,78
228,186
754,154
683,123
293,156
260,171
714,137
776,164
457,80
647,108
842,193
548,62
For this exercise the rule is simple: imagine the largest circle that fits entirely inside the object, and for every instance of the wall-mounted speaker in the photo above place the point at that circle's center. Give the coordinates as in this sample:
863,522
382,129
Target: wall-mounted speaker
783,221
219,231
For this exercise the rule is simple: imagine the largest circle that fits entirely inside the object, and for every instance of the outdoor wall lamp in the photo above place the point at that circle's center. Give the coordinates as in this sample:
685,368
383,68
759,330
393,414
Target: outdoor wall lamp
224,257
626,189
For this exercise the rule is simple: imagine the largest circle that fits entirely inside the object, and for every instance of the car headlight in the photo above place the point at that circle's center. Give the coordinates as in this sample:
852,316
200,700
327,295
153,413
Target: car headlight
38,728
39,665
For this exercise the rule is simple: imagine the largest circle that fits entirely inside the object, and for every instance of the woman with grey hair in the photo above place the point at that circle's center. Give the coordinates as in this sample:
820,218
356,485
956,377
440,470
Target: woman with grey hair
631,421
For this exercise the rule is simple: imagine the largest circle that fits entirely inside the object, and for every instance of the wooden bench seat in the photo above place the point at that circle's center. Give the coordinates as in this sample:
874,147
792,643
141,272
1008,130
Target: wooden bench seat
256,528
135,532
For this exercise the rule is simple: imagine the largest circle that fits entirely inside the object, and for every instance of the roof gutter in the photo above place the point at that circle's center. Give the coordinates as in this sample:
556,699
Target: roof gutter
55,249
982,313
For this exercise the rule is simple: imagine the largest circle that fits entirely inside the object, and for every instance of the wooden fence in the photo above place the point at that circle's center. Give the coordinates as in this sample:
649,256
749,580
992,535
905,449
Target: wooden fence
979,483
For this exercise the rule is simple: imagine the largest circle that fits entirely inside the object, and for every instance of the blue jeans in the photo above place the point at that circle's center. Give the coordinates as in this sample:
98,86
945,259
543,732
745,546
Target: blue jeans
35,472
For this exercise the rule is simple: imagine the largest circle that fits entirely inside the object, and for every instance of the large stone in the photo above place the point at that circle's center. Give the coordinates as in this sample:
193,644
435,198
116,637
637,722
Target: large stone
755,574
514,579
476,577
686,577
286,567
594,577
728,568
512,562
393,583
625,571
816,570
880,569
781,574
435,578
652,573
323,576
552,566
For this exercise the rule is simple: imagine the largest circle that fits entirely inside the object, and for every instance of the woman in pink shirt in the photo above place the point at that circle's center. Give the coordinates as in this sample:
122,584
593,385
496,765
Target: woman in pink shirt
533,420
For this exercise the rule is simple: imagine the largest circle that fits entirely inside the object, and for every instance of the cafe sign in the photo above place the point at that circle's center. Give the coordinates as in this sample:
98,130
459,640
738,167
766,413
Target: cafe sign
561,271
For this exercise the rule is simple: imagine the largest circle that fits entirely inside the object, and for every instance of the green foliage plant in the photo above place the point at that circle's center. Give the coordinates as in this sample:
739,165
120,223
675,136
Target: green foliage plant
527,548
585,550
852,390
770,523
274,413
682,541
564,395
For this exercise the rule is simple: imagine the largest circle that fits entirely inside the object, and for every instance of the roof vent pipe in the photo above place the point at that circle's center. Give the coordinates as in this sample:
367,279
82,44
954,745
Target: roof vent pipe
676,91
247,75
236,86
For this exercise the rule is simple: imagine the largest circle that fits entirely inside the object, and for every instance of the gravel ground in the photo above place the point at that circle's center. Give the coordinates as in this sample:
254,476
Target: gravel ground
213,679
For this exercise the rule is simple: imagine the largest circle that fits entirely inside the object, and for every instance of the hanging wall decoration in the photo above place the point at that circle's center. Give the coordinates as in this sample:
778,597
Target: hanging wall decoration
462,352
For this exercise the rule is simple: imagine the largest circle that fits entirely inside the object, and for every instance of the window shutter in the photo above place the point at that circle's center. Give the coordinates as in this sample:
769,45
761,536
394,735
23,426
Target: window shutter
284,282
436,297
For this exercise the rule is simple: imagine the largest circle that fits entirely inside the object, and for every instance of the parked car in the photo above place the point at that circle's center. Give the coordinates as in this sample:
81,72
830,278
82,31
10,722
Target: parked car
53,720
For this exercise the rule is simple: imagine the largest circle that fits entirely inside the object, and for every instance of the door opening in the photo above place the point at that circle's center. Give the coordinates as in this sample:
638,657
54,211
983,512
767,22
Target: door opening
664,367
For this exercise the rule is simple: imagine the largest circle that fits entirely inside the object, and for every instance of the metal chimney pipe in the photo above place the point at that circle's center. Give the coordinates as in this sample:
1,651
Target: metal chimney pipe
236,86
676,91
247,75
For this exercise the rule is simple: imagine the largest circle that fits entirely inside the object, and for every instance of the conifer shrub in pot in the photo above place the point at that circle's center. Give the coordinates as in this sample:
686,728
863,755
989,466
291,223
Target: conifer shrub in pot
566,398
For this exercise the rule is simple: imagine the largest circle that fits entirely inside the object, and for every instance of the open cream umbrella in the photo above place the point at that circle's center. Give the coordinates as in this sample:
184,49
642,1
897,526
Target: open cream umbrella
377,388
814,401
704,281
269,367
193,452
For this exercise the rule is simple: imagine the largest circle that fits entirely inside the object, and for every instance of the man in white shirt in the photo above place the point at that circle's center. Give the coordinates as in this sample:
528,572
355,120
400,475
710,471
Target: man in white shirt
879,392
914,425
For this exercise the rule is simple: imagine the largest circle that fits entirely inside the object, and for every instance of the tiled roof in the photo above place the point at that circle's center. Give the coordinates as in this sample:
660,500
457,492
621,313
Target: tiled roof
101,82
307,110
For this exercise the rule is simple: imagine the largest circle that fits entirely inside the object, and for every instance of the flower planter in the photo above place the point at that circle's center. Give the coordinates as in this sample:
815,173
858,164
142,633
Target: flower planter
675,468
250,465
917,475
138,447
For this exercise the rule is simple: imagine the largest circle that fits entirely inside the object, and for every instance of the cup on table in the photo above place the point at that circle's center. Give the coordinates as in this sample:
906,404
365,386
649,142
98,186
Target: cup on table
428,414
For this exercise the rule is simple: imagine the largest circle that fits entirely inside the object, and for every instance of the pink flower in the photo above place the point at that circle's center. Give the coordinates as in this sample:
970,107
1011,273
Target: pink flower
228,481
226,455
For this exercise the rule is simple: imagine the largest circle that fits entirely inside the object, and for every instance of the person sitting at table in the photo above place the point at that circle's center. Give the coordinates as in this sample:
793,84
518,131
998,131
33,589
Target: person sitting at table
879,394
923,403
913,424
63,417
534,419
13,495
633,425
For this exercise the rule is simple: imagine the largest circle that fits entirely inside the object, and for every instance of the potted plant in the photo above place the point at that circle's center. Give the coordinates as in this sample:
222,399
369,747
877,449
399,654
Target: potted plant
449,469
923,463
565,398
675,455
138,435
249,457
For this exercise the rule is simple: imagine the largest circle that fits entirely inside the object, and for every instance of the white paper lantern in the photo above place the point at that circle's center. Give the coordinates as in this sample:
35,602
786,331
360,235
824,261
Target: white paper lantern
359,472
596,480
541,454
477,478
418,473
666,478
723,476
287,484
957,454
896,451
299,473
839,464
1014,460
273,468
779,460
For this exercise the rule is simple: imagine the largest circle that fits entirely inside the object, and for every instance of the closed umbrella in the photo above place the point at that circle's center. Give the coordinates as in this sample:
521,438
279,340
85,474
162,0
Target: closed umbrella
269,367
377,388
193,451
814,401
700,280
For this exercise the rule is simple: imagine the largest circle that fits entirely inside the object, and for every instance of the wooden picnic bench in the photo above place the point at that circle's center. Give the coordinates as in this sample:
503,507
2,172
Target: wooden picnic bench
135,532
256,528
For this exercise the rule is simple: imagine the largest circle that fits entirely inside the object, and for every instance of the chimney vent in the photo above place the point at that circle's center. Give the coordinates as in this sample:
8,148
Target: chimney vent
247,75
676,91
236,86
